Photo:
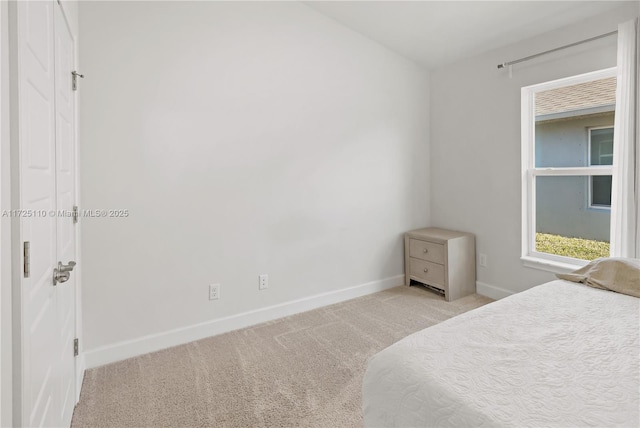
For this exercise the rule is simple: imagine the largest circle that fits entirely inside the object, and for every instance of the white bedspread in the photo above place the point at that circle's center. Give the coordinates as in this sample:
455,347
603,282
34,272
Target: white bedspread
558,355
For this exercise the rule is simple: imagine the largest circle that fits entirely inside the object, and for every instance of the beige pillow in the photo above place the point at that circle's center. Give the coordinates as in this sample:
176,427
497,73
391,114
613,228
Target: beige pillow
617,274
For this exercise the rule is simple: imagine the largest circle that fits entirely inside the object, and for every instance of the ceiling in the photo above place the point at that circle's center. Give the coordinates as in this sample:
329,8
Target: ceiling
435,33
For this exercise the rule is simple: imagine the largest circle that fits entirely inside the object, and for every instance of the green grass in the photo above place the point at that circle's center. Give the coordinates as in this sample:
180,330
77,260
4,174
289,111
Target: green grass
578,248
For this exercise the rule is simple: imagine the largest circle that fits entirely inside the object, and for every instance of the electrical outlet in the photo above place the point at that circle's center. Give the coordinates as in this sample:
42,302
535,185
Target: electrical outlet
214,291
483,260
263,282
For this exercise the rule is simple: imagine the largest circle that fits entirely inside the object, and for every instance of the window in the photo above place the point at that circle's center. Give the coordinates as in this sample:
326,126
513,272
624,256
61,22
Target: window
600,154
567,156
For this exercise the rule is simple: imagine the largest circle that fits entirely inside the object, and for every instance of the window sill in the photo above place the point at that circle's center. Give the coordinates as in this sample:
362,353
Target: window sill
549,265
600,208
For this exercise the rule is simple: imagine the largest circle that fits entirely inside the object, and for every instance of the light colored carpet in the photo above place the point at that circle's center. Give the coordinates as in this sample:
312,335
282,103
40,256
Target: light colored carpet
301,371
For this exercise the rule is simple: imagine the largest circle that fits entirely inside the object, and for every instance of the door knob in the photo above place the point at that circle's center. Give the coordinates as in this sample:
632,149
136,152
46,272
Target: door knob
62,272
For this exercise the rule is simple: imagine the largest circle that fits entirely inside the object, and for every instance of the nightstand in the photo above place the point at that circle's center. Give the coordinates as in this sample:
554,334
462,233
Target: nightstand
441,259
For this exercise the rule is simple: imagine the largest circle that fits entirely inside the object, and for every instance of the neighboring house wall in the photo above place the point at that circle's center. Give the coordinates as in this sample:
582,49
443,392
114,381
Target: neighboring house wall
563,202
244,138
475,141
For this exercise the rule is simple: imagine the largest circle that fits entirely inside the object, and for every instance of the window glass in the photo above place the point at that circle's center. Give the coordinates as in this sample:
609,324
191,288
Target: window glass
563,226
561,117
602,146
601,190
561,143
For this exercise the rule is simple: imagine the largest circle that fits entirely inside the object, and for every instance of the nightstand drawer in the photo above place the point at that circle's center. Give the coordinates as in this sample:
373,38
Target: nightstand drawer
426,250
431,273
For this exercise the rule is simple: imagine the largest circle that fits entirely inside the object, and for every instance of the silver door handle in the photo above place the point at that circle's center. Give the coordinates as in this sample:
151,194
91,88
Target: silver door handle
66,268
62,272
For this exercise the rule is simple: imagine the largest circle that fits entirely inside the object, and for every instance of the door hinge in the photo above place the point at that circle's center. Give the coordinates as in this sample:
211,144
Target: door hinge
26,251
74,214
74,79
75,347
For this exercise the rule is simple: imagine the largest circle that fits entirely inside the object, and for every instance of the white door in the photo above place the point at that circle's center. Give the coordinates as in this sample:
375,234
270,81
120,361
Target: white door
36,120
47,176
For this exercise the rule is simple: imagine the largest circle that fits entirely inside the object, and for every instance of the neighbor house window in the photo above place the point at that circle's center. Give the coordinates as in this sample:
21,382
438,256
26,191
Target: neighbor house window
566,172
600,155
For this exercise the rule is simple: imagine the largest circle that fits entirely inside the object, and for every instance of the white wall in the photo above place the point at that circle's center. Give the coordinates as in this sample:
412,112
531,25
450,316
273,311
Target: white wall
475,140
243,138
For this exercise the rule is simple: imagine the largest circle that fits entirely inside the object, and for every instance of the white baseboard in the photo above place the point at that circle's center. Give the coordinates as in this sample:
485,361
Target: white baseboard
492,291
155,342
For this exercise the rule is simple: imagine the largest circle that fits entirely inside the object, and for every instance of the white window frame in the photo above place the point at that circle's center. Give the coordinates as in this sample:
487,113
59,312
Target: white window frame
590,193
530,257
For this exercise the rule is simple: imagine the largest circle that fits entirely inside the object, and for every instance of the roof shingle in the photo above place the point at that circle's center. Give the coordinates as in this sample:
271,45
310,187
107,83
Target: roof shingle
592,94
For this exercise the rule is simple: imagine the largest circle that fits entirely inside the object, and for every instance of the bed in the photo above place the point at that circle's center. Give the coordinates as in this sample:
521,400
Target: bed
561,354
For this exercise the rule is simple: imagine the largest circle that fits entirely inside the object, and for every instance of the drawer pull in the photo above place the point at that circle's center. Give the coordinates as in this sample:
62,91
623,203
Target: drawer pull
425,250
426,270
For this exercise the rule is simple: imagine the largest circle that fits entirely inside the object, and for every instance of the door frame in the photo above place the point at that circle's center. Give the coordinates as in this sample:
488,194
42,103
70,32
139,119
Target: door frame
11,363
80,359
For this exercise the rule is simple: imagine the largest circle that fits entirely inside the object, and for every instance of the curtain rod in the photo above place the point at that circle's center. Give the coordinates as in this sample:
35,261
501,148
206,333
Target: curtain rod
505,64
